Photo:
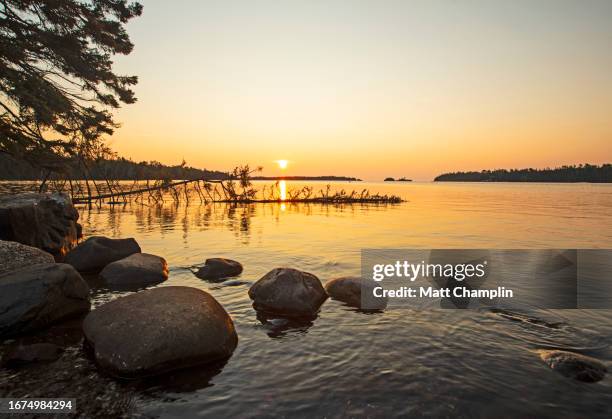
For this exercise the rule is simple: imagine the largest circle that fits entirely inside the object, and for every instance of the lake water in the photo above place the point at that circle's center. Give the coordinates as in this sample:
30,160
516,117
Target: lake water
432,363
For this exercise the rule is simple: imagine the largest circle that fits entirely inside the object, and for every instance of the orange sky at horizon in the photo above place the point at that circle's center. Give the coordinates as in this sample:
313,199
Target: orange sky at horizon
370,89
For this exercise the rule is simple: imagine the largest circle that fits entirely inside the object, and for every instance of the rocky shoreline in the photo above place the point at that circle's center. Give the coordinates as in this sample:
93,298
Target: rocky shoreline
152,331
146,333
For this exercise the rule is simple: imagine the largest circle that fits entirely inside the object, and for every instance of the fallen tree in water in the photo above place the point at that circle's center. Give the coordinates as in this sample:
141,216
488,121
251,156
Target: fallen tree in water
238,188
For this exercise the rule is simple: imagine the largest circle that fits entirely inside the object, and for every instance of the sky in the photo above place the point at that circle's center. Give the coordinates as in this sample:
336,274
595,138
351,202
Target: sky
369,88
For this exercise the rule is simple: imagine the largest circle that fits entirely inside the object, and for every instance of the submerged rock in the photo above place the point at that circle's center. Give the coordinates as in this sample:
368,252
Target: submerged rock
15,256
573,365
96,252
45,221
159,330
37,296
136,269
277,326
349,290
234,283
36,352
219,268
289,292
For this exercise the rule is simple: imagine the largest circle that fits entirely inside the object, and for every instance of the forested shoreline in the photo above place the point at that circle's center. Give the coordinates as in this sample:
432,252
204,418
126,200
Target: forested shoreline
577,173
115,169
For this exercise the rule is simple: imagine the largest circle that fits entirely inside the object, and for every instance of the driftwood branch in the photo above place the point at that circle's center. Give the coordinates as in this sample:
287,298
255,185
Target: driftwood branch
148,189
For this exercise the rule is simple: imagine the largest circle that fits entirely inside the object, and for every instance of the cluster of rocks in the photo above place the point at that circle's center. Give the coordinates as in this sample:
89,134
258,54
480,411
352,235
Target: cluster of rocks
118,262
145,333
151,331
289,292
293,293
142,334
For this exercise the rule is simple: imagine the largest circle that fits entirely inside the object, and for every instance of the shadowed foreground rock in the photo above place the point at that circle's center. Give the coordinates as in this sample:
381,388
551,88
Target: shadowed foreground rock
288,292
349,290
36,352
159,330
45,221
96,252
573,365
15,256
37,296
137,269
219,268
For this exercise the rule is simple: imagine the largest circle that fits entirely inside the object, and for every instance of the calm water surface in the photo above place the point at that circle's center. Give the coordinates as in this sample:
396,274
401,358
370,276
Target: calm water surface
435,363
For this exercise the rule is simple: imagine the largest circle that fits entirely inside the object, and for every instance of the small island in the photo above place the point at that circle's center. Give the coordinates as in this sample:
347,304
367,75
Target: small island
577,173
402,179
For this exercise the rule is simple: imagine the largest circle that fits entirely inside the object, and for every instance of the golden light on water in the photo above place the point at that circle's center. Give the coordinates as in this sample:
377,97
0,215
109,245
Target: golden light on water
282,164
282,186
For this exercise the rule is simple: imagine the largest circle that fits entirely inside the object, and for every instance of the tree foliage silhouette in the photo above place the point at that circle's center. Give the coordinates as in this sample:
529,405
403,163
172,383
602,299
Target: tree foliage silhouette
57,84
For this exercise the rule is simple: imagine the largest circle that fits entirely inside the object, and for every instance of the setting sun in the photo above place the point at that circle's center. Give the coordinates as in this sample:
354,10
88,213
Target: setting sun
282,164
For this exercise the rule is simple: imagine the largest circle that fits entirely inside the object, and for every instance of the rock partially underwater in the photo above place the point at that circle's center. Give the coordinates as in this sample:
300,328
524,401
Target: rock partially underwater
96,252
355,292
139,269
40,295
573,365
288,292
159,330
215,269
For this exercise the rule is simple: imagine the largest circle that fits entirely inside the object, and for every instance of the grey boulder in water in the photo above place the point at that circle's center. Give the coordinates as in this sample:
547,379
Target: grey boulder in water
355,292
136,269
159,330
219,268
288,292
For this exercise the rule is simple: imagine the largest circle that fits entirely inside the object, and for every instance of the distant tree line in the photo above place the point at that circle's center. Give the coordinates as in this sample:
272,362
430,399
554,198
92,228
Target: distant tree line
577,173
116,169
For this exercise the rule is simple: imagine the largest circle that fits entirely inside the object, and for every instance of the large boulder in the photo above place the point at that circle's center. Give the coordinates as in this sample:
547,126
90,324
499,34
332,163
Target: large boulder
158,330
46,221
219,268
15,256
355,292
96,252
288,292
37,296
573,365
137,269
